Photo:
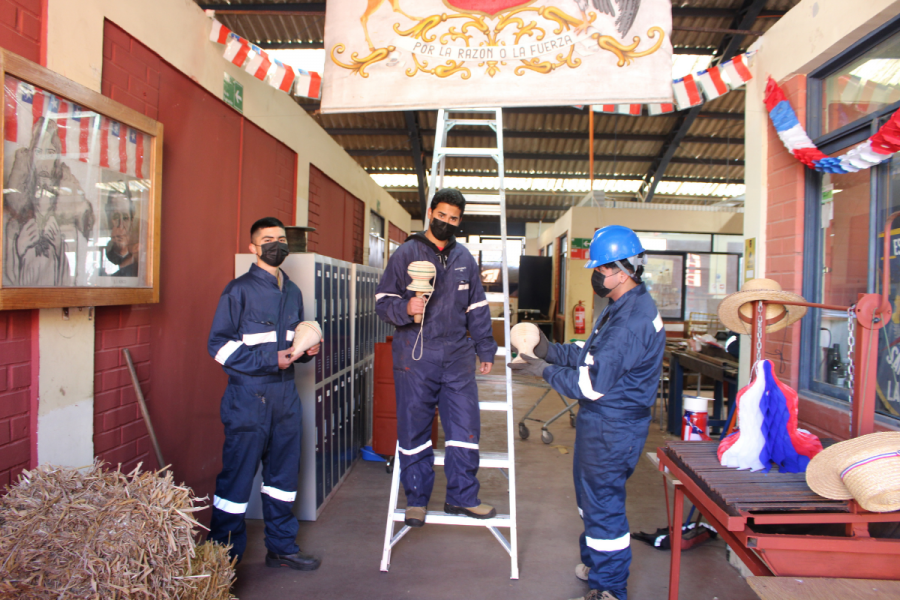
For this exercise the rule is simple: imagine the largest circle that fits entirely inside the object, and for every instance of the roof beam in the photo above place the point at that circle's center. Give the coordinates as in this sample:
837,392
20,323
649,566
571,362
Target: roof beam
572,157
570,110
290,45
729,46
550,135
415,142
519,175
302,9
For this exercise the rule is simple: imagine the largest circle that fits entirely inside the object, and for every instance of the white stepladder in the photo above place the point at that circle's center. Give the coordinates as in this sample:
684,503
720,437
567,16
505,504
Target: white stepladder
497,460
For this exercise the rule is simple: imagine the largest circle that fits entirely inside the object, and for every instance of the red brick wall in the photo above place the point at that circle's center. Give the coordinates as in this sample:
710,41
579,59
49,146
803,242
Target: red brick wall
120,436
21,27
130,72
784,233
338,216
16,390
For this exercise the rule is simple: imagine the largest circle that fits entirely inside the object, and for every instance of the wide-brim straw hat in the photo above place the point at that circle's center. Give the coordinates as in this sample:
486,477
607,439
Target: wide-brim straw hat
866,469
736,310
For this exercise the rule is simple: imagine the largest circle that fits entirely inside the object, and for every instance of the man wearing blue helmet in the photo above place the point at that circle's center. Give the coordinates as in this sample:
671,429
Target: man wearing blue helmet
614,376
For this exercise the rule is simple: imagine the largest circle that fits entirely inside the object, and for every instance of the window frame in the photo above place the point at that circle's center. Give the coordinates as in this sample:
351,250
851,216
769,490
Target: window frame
847,136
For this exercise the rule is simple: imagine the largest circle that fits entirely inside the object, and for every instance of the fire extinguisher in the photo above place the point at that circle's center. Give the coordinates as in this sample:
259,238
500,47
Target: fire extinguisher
579,317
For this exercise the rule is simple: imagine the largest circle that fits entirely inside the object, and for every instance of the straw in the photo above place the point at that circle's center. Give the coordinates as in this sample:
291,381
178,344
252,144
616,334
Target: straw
98,533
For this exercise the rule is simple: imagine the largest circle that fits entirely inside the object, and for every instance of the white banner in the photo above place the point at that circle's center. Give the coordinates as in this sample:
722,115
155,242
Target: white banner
474,53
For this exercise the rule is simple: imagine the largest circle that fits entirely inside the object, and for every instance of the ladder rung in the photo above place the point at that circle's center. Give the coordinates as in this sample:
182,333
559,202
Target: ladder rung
436,517
487,460
467,152
473,122
503,406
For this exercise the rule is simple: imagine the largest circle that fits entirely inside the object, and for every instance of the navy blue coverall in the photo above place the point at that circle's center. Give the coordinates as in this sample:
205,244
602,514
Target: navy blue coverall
614,375
260,409
445,374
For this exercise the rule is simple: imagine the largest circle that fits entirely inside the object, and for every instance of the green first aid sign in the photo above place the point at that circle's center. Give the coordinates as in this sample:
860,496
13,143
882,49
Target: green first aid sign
233,93
581,243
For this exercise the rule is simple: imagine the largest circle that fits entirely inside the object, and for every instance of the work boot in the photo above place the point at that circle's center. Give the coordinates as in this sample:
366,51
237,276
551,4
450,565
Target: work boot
482,511
581,571
598,595
415,516
298,561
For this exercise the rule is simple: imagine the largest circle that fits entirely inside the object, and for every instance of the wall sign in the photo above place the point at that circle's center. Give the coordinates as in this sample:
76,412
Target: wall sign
233,93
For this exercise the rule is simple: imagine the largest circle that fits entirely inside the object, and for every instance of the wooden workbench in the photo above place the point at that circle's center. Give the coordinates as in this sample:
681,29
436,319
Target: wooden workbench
720,371
743,507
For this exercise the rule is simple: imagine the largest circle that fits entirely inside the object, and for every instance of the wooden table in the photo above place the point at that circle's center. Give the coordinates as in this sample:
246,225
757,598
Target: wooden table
746,507
820,588
720,371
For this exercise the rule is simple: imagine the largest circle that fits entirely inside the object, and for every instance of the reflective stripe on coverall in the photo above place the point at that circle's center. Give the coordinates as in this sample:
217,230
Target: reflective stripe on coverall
614,375
260,409
445,374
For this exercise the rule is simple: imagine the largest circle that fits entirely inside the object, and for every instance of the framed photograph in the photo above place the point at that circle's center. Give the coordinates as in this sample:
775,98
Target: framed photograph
664,278
81,194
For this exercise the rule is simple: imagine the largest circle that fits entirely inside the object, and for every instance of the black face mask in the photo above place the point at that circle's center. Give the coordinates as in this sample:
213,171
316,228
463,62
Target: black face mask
597,281
113,256
274,253
442,230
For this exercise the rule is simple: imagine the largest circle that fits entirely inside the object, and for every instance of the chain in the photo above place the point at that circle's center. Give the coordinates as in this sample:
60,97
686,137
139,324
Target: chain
759,331
851,344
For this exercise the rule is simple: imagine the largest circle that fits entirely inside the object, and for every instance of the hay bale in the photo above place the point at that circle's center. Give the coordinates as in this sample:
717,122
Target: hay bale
103,534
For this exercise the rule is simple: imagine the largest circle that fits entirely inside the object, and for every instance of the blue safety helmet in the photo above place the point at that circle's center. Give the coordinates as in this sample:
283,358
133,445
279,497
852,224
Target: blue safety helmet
613,243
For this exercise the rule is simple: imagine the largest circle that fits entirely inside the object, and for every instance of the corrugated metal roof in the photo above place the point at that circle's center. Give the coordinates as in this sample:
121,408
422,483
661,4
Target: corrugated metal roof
548,142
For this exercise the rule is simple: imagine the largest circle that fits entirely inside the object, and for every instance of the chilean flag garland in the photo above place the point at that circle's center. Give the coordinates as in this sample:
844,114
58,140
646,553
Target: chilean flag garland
877,149
768,433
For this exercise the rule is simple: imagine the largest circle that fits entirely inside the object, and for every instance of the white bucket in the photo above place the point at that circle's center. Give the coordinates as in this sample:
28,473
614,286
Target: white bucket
696,413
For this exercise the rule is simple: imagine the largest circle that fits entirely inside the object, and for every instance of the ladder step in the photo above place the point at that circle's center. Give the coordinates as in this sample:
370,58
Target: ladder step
501,406
472,122
467,152
488,460
436,517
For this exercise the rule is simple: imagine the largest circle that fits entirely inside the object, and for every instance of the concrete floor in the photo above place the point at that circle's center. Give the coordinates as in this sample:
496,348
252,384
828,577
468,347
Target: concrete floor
445,562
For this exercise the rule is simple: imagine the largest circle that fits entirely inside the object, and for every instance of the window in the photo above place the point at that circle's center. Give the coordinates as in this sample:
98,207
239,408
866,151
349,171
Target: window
487,252
561,273
849,99
376,240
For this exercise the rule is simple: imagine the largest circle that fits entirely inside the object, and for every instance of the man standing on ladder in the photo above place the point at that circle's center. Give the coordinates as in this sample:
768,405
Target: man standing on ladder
614,376
434,362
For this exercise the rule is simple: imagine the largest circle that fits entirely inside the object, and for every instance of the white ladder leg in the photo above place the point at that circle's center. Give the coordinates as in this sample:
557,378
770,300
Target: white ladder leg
389,528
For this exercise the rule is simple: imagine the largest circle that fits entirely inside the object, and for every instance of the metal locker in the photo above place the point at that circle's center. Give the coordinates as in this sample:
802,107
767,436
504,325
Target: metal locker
327,445
342,312
341,431
329,316
320,463
320,318
348,319
346,457
358,297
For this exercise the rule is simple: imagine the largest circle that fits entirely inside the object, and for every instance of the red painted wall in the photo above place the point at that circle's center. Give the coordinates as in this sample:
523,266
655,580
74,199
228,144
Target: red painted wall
16,388
338,217
20,32
395,234
21,27
216,182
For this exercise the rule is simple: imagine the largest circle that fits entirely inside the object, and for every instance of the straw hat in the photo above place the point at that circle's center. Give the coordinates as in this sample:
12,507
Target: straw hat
866,468
736,310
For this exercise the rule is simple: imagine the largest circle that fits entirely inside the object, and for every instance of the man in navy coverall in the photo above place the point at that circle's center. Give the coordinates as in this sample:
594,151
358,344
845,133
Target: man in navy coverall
614,375
251,338
434,362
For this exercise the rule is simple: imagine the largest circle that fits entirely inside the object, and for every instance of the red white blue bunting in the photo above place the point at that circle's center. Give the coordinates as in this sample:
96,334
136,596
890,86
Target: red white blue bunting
258,63
875,150
692,90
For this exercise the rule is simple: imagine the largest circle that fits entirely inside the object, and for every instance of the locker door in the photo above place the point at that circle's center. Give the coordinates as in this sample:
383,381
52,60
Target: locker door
345,294
335,346
342,318
329,317
358,296
335,432
320,463
342,460
320,319
357,421
348,417
327,445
